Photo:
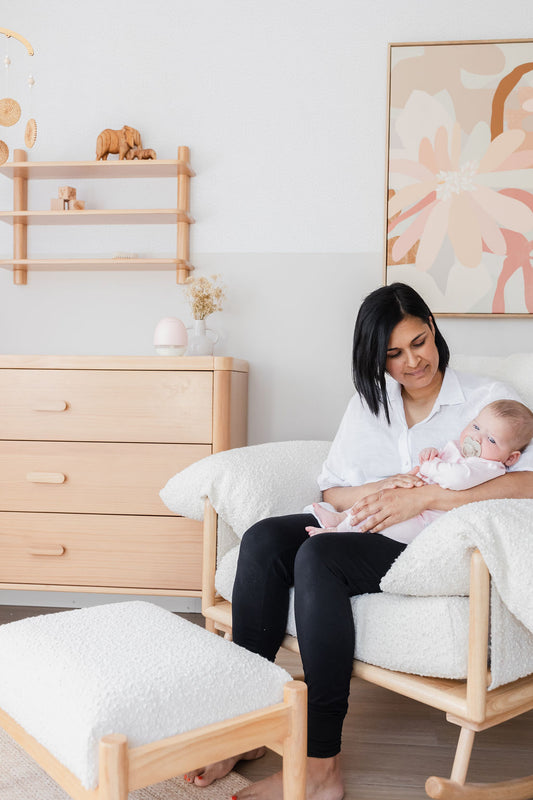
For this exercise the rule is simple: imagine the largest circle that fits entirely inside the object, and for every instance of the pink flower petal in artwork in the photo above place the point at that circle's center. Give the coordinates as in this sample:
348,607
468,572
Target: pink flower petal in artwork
501,148
510,213
410,194
464,232
412,234
433,236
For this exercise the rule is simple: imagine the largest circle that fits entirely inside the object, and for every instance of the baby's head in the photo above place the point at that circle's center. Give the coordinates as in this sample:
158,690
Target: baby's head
500,432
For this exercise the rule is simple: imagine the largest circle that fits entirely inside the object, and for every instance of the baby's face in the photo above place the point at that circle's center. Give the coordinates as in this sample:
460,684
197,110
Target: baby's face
487,436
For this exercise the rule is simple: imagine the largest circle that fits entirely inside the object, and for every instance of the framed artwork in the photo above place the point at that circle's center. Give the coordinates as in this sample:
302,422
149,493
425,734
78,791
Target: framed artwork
459,194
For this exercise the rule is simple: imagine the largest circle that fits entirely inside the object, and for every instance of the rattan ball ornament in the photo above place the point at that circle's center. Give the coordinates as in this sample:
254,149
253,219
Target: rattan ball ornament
9,112
30,135
4,152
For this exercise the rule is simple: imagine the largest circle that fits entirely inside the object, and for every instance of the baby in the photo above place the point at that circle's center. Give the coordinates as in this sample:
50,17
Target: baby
491,443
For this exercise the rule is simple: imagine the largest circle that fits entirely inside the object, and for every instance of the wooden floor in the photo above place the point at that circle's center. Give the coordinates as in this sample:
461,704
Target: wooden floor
392,744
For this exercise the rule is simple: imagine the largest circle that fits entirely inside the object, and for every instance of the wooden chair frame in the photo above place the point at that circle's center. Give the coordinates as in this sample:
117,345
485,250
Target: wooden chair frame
282,727
467,703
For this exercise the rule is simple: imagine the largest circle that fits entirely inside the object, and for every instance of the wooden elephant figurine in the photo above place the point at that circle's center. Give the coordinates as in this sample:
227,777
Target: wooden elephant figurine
120,142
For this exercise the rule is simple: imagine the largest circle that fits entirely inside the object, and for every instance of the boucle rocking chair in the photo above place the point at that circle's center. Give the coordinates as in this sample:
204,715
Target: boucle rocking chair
467,703
453,622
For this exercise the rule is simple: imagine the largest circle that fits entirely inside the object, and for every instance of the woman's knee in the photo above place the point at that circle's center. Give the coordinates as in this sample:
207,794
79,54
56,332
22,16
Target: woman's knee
313,556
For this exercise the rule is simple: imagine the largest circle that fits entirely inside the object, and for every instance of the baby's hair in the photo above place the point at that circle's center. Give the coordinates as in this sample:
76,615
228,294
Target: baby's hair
521,418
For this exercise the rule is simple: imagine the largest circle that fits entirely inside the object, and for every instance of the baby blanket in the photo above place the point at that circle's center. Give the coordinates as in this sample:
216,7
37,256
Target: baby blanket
436,563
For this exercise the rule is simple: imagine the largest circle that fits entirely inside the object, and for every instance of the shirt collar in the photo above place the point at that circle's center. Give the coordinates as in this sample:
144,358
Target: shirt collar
450,394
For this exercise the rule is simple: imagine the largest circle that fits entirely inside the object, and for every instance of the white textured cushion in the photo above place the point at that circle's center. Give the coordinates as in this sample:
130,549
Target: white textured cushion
132,668
247,484
422,635
516,370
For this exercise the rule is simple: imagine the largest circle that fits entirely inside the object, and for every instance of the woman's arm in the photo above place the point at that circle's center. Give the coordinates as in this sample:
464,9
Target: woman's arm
343,497
390,506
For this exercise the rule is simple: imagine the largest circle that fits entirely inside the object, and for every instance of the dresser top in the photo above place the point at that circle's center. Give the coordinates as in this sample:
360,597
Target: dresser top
193,363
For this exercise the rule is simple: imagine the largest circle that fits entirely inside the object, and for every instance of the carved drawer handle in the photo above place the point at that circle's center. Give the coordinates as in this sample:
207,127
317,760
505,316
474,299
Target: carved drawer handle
46,477
47,551
52,405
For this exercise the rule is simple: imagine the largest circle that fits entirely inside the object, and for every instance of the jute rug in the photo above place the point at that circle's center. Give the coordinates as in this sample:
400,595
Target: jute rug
22,779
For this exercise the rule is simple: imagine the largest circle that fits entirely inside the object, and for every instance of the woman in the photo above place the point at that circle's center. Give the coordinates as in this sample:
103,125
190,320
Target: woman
407,398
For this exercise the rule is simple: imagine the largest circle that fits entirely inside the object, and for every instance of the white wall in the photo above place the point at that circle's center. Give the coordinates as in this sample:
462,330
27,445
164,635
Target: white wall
283,104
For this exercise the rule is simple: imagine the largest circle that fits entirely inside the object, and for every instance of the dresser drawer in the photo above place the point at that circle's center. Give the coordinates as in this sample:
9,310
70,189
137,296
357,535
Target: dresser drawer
106,405
101,551
90,477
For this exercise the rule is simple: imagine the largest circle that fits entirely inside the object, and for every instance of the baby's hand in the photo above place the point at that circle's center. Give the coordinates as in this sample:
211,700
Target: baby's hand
428,454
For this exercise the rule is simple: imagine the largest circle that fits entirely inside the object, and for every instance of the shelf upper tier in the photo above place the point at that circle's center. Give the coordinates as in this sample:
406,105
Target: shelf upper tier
50,170
133,216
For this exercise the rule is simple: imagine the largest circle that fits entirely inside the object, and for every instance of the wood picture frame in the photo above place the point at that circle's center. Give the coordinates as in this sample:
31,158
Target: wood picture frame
459,177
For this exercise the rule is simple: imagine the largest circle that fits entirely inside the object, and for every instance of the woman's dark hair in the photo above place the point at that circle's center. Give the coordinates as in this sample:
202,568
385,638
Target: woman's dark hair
379,314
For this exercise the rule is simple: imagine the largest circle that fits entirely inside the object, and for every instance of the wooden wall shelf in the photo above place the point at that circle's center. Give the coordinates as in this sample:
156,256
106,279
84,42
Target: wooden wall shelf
20,171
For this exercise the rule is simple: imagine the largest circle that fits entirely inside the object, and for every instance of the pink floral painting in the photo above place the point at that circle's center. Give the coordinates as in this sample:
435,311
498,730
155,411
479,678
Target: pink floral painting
460,175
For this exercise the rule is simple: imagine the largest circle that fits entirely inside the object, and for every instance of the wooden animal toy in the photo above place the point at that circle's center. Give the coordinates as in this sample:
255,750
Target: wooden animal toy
141,154
121,142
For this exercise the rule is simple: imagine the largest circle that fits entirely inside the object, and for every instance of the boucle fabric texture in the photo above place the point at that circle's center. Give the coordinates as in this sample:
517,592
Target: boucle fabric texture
437,562
247,484
422,635
132,668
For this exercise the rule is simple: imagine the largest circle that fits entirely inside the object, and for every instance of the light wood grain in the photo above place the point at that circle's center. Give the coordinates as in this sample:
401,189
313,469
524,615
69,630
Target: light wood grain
107,405
90,477
132,552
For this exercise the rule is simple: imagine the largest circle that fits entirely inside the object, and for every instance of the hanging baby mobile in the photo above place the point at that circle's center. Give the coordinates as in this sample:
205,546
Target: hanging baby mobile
10,109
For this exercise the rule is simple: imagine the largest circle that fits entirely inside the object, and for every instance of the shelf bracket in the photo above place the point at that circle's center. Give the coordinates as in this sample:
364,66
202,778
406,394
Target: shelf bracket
183,266
20,229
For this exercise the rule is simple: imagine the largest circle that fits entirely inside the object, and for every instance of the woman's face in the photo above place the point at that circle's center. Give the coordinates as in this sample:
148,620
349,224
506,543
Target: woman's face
412,355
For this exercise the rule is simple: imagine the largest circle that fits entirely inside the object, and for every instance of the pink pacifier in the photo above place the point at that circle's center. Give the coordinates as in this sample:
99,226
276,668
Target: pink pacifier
470,447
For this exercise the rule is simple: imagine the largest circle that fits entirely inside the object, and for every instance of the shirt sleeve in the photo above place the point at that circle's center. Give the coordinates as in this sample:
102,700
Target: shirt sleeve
463,474
341,461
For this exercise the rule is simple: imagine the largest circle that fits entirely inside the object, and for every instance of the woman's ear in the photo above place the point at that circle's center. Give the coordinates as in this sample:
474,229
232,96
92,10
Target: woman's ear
513,458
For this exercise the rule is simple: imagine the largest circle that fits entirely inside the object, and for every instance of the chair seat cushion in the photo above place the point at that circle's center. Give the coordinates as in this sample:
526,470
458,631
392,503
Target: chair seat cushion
134,668
421,635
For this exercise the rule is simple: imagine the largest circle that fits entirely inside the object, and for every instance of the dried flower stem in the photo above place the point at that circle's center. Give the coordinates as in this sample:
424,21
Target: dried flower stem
204,296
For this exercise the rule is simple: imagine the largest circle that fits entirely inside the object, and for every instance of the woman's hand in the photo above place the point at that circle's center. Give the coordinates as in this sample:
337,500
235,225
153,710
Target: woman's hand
387,507
404,480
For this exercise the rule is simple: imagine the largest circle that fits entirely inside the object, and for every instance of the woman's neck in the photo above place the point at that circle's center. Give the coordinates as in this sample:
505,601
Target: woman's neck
418,404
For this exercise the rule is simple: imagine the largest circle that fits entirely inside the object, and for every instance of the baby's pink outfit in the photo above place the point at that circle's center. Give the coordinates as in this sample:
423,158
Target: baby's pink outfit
450,470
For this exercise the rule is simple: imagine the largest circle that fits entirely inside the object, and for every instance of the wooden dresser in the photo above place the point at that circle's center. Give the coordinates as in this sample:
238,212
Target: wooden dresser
86,443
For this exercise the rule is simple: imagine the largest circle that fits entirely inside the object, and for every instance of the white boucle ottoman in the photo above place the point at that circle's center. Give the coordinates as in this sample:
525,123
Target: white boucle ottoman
111,698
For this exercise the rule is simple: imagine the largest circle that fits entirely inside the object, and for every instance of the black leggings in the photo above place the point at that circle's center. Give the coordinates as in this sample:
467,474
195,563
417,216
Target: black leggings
326,570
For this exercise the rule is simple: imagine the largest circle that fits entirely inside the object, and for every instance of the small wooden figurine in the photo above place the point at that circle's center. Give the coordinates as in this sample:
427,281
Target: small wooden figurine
121,142
140,154
66,200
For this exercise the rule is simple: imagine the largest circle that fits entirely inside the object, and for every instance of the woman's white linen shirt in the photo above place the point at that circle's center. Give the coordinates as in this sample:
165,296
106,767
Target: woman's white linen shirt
366,448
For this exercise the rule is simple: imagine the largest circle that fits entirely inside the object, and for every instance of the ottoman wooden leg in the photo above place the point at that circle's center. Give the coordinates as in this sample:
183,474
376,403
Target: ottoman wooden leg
295,745
113,776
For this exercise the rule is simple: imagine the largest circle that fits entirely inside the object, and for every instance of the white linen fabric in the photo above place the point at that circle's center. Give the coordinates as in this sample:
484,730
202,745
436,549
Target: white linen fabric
132,668
367,449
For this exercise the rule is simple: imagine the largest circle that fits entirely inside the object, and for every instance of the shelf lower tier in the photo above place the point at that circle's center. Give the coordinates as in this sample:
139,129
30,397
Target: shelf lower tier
57,264
156,216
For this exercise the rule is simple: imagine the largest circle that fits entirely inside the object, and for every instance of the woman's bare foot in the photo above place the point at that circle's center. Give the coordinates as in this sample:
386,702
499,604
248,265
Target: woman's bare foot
329,519
324,782
207,775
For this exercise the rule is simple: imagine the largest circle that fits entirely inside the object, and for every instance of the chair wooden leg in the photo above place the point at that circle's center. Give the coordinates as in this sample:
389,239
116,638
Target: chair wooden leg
462,755
456,789
113,773
295,745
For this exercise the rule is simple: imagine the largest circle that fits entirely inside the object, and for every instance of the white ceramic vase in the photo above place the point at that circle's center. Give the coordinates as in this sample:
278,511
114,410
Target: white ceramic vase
201,339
